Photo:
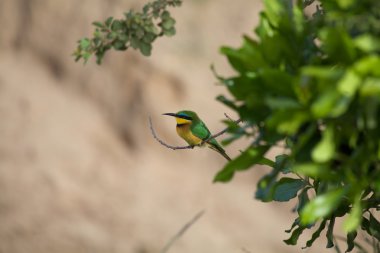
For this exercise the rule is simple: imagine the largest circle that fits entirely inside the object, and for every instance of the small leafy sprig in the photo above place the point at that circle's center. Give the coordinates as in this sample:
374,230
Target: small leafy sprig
137,30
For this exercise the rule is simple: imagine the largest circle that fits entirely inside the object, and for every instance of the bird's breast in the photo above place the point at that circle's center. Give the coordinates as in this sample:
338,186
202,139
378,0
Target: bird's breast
185,133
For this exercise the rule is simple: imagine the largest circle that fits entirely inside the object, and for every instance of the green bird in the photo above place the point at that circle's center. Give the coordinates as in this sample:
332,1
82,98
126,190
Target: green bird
192,129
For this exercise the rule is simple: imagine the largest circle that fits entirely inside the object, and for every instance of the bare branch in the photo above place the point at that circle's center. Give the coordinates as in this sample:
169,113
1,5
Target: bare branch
182,231
245,250
189,146
162,142
223,131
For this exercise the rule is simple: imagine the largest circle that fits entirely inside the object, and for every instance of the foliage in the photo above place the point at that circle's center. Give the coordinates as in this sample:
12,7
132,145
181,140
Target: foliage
311,84
137,30
307,83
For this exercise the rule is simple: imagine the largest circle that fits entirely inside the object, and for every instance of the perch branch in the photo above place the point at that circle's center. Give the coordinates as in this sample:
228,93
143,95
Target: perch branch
223,131
189,146
182,231
162,142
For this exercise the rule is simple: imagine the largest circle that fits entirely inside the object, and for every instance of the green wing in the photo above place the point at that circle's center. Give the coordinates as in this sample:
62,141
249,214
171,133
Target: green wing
201,131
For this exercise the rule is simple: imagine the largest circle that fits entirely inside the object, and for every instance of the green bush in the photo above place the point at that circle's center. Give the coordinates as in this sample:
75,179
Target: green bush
311,84
307,83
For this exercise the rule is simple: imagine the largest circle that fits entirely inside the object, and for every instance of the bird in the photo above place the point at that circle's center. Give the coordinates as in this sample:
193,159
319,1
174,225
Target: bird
195,132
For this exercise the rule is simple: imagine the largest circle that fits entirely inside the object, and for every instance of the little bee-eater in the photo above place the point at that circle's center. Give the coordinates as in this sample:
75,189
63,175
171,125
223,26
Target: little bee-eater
192,129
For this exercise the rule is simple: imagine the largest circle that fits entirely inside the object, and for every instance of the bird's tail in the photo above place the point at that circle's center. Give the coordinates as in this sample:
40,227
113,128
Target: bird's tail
214,145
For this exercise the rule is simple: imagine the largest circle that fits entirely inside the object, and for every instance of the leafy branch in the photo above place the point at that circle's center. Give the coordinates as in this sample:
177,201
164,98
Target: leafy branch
137,30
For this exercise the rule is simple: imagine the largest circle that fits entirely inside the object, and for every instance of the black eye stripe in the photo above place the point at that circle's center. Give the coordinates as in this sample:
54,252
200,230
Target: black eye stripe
184,117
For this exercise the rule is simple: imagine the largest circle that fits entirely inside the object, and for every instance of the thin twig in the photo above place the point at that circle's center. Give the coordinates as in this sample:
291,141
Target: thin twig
162,142
189,146
182,231
223,131
245,250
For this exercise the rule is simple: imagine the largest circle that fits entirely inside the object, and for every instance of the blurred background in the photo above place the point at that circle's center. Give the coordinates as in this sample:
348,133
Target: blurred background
79,168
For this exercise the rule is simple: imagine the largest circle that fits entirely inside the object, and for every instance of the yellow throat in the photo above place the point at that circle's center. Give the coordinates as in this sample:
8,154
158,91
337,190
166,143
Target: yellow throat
183,130
181,121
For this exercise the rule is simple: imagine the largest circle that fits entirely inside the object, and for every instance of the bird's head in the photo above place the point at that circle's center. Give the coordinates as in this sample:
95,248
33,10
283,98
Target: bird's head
183,117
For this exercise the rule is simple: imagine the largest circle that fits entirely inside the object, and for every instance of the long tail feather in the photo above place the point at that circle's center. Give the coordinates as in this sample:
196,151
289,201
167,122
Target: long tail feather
215,146
224,154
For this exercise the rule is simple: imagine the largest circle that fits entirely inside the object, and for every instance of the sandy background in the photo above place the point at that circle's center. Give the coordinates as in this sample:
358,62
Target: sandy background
79,169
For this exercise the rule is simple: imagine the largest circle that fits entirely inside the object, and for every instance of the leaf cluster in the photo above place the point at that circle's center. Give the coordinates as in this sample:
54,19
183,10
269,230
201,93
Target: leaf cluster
311,84
137,30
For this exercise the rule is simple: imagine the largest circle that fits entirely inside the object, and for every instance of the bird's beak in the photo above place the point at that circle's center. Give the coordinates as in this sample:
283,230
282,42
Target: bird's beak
170,114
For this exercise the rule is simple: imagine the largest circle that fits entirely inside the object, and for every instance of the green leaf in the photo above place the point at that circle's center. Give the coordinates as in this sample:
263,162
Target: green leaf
325,149
117,25
249,157
295,235
135,43
330,233
168,23
145,49
112,35
118,45
282,163
165,15
337,43
308,138
330,103
368,65
139,33
265,185
99,56
345,4
86,56
322,72
151,28
367,43
299,19
282,103
286,189
303,199
98,24
296,222
316,234
271,78
123,37
354,218
109,21
227,102
170,32
247,58
84,43
266,161
313,170
371,87
149,37
349,83
275,10
321,206
371,226
287,121
351,240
